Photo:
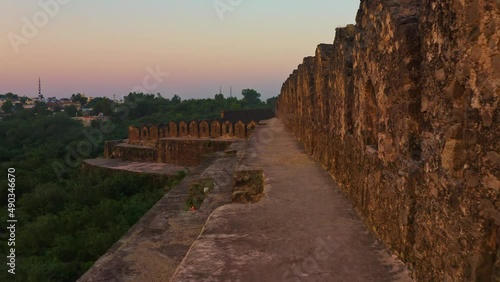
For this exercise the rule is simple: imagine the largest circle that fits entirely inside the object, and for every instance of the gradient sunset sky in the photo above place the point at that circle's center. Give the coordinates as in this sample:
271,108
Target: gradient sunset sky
102,48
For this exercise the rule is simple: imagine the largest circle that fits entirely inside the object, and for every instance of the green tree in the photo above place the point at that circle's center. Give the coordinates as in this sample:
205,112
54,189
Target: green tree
71,110
11,96
235,106
219,97
102,105
142,104
176,99
7,106
41,108
79,98
251,97
271,102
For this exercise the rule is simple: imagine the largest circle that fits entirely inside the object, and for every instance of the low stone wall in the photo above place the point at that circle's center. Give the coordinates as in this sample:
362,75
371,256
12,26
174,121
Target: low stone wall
191,152
134,153
183,152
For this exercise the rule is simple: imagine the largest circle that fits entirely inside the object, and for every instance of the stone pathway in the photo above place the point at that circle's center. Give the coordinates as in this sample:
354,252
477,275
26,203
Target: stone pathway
303,229
154,247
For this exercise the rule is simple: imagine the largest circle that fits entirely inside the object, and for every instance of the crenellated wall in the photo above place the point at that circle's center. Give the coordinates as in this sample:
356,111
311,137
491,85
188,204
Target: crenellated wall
184,143
176,151
148,135
402,110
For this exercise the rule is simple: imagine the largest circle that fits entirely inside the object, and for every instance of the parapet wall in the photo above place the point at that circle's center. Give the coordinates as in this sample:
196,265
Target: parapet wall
185,144
190,152
148,135
402,110
175,151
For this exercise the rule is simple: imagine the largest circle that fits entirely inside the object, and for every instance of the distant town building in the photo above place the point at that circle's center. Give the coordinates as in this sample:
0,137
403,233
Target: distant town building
87,120
52,100
68,102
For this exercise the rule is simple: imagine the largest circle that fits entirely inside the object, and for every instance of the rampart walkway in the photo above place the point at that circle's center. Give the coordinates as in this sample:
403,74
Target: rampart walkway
302,230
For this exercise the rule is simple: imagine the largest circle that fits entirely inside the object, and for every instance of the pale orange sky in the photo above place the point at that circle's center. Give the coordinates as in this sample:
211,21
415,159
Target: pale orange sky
102,48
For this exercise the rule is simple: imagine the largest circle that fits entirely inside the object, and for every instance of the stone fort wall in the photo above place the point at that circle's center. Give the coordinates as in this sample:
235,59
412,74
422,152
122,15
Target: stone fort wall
148,135
182,143
402,110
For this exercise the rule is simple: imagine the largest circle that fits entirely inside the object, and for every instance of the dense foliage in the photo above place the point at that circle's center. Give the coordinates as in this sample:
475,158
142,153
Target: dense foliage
68,215
149,108
64,224
64,227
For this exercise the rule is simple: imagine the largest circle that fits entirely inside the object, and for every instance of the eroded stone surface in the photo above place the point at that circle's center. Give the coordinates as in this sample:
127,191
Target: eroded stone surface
403,111
153,248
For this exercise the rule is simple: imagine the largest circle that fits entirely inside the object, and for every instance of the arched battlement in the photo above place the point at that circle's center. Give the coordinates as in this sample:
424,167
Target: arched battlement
134,135
240,130
183,129
173,130
163,132
250,127
215,129
204,129
149,135
154,133
193,129
227,129
145,133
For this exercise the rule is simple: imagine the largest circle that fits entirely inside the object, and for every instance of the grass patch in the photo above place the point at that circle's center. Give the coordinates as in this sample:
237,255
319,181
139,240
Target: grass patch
198,190
249,186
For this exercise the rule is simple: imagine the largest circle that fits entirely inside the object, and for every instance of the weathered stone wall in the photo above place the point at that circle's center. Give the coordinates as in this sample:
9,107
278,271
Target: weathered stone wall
184,152
461,138
150,135
183,144
191,152
109,146
402,110
133,153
